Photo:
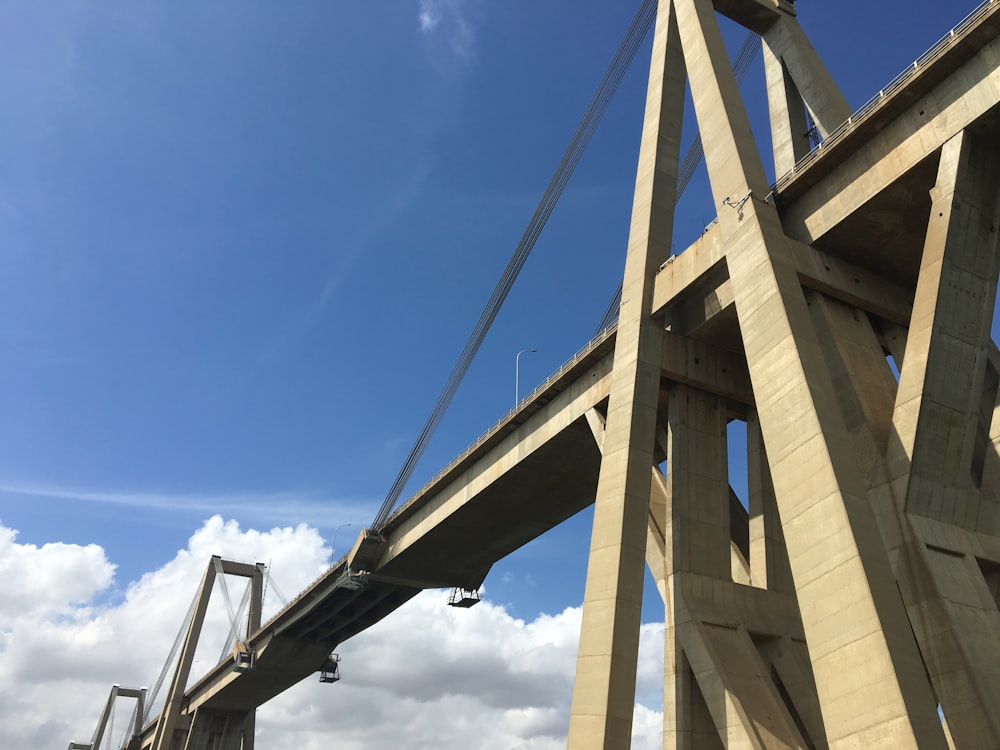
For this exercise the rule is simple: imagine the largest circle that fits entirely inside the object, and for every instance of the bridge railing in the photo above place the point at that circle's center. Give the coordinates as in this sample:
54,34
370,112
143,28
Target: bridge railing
595,342
959,32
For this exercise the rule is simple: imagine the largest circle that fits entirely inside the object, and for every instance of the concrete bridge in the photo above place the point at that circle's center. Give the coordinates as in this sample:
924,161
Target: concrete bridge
858,591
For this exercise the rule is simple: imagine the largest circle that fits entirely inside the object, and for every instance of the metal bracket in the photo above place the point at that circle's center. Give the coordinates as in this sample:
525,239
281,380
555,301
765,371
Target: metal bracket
738,205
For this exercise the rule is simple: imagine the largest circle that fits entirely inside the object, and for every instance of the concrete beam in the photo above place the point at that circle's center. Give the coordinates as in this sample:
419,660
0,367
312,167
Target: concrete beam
708,368
754,15
864,167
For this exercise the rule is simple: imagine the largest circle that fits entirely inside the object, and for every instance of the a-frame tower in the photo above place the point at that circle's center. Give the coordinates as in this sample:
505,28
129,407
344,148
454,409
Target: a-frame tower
859,591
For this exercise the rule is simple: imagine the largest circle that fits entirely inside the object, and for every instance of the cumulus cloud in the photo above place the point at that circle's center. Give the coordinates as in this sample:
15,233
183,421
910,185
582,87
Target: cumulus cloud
60,647
428,676
50,578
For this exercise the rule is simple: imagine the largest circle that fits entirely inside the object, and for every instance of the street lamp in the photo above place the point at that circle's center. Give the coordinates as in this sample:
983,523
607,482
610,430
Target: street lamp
517,370
333,550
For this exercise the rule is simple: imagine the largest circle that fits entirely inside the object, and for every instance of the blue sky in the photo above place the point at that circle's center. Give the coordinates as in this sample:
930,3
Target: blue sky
243,243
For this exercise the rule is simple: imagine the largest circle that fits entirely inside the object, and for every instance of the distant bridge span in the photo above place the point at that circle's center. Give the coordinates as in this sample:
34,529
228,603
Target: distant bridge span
448,535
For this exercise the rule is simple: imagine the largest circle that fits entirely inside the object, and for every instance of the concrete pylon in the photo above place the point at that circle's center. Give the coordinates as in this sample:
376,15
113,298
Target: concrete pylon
133,741
207,728
856,593
601,714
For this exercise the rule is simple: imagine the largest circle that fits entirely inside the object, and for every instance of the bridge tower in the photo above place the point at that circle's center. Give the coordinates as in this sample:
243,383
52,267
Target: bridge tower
210,727
859,592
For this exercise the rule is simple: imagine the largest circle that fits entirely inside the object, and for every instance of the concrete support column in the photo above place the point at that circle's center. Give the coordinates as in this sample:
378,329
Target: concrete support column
697,517
221,730
250,730
866,390
604,689
687,722
786,42
935,422
769,567
837,558
946,597
940,387
171,713
237,727
957,622
789,128
677,687
697,484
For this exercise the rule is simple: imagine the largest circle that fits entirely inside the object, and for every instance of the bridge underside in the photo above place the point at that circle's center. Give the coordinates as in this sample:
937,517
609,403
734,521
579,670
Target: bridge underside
551,484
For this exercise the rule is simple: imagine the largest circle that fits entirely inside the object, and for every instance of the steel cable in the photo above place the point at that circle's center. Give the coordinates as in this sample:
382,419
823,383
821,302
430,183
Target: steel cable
616,70
227,648
152,695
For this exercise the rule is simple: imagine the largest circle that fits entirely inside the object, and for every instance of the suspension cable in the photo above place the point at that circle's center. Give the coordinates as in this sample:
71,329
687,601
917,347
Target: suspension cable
263,588
220,578
151,697
269,581
609,84
689,164
227,647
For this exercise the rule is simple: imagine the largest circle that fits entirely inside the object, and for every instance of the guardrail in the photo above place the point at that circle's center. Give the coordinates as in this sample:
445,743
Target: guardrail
595,342
959,32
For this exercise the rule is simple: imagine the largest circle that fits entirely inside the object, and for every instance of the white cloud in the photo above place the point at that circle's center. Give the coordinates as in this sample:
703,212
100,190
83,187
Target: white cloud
427,676
430,15
450,19
65,650
58,575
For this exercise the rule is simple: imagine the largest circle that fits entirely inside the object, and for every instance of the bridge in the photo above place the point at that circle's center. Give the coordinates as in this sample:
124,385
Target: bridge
843,314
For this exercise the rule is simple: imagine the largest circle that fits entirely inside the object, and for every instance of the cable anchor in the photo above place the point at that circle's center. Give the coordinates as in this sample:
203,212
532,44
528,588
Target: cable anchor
738,205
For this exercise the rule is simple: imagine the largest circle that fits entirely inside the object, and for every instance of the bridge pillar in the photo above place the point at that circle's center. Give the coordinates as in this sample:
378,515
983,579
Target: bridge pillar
816,478
221,730
940,441
604,690
852,596
178,729
102,725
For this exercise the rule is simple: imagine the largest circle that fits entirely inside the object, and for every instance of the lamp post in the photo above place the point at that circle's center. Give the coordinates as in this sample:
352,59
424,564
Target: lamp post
517,370
333,550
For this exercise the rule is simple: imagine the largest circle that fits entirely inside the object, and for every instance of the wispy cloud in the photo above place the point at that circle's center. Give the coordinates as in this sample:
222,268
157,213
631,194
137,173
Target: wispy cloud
449,19
430,15
281,508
